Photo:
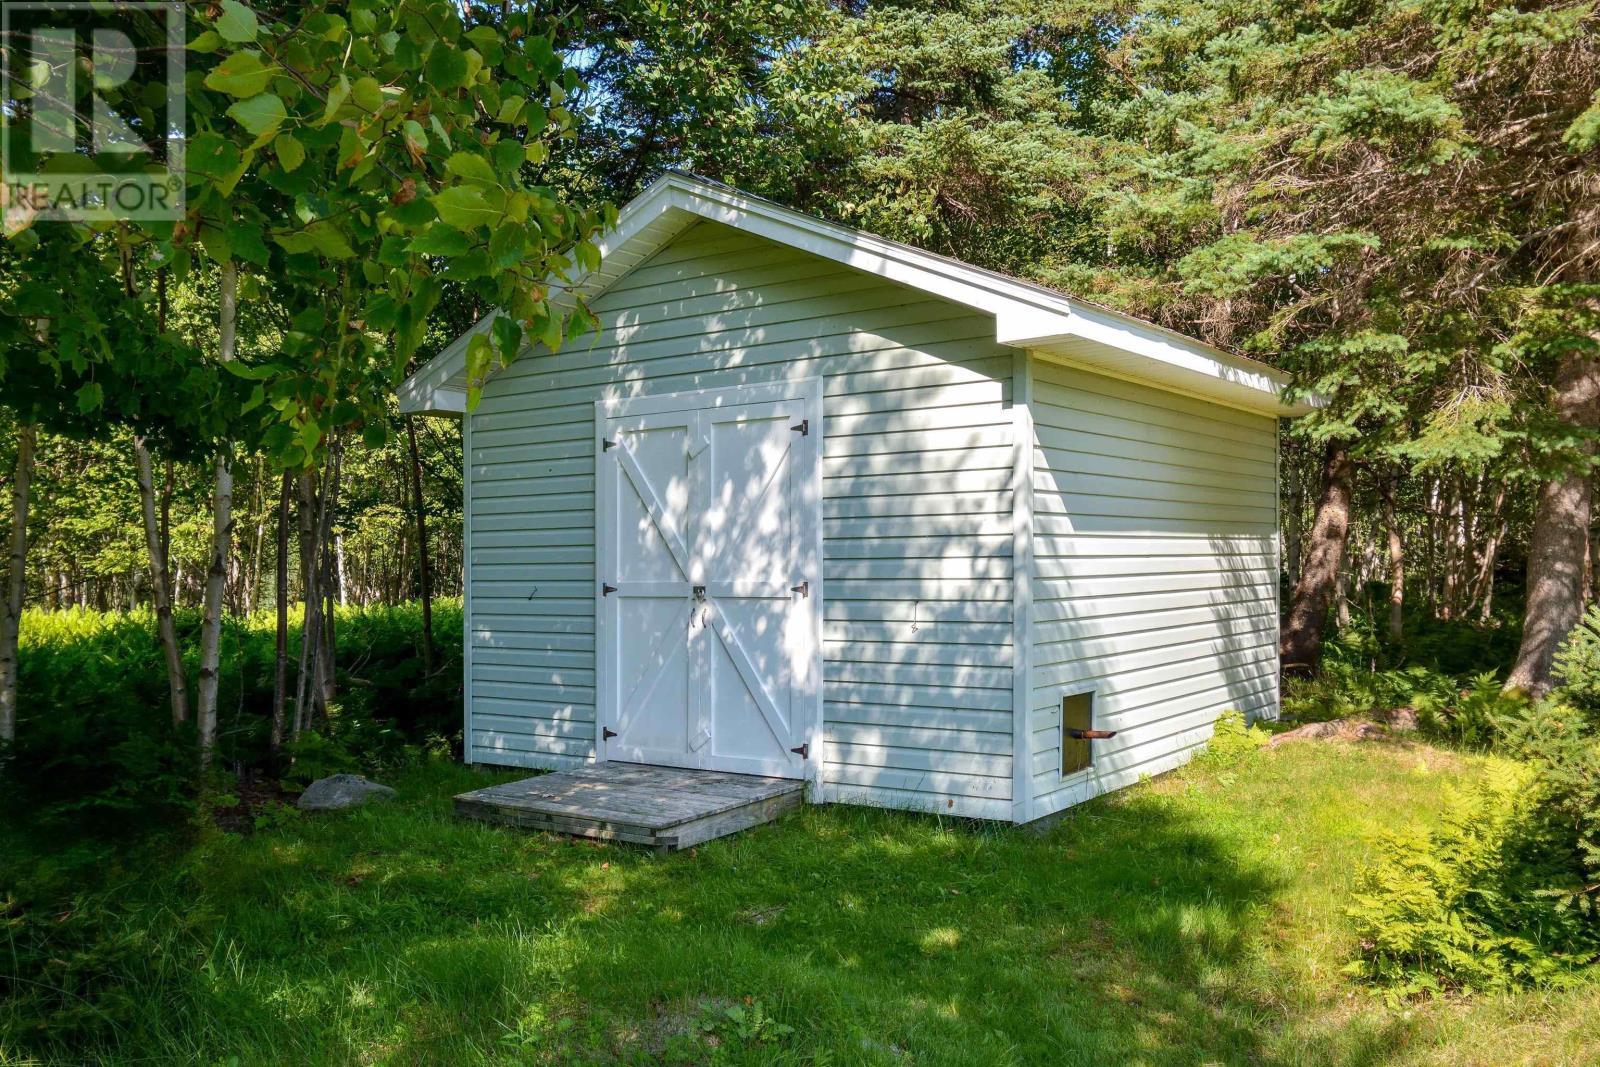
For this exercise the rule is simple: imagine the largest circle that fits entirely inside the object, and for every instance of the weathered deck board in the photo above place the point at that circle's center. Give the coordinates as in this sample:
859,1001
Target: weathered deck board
664,807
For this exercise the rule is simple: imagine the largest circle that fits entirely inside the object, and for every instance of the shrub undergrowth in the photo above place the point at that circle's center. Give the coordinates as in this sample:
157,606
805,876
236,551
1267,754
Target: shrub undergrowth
96,748
1507,892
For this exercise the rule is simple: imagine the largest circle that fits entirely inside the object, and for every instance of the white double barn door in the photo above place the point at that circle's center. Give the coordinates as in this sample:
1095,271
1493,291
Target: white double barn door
709,566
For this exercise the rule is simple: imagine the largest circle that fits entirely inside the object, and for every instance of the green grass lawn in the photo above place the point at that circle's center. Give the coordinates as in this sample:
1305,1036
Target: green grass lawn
1194,919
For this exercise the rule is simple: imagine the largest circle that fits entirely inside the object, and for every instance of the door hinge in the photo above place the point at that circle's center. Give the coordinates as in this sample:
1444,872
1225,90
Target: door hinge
804,751
1091,735
606,733
804,589
606,446
804,429
607,590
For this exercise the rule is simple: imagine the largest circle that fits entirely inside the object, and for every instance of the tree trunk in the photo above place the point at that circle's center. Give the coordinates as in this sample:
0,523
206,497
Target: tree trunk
1483,584
311,599
252,582
280,669
315,688
1486,576
1300,639
1559,540
424,565
16,573
333,582
161,585
221,540
1397,566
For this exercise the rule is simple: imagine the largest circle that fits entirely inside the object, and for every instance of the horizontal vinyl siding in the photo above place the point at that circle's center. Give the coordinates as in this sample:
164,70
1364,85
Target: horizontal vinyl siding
1155,573
916,514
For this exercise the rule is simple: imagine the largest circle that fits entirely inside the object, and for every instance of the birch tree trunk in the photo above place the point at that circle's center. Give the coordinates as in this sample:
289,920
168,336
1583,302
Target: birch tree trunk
1483,584
16,574
310,598
1486,575
424,564
221,540
327,656
1300,639
1559,541
280,669
1397,566
161,584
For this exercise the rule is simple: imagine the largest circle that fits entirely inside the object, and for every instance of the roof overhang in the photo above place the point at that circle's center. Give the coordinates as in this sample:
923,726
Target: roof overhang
1027,316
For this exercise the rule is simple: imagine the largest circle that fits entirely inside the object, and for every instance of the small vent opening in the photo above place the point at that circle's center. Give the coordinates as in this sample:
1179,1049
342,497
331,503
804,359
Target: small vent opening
1077,721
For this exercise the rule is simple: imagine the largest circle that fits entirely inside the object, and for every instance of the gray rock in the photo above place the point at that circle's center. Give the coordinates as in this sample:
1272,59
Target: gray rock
1311,731
1333,730
340,791
1402,719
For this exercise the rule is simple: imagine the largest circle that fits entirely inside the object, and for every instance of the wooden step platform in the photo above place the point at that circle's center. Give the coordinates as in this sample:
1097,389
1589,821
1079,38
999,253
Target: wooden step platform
664,807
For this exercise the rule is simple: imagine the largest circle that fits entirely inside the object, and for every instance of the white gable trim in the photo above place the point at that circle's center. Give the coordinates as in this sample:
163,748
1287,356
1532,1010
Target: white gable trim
1027,316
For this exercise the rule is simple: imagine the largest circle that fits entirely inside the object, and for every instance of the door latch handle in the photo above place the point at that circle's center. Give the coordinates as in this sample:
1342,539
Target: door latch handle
699,592
804,589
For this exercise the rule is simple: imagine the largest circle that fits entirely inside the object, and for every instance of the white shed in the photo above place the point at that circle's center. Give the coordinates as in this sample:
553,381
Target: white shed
819,505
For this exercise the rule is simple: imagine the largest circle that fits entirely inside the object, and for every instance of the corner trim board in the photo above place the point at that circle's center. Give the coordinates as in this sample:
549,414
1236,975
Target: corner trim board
1022,570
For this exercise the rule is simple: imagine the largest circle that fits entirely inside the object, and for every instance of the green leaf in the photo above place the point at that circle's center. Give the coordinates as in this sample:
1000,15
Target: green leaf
471,167
393,252
551,333
320,237
261,115
439,131
206,42
251,372
587,255
473,264
338,93
446,68
327,239
464,207
506,246
508,157
241,74
367,93
507,333
310,436
416,136
245,239
211,154
90,397
237,23
215,242
291,153
479,352
440,240
510,108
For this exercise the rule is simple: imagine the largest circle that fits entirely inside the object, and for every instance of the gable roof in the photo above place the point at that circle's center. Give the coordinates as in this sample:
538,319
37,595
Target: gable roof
1027,316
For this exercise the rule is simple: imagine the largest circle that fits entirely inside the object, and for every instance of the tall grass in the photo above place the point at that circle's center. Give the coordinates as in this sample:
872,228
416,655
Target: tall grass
94,728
